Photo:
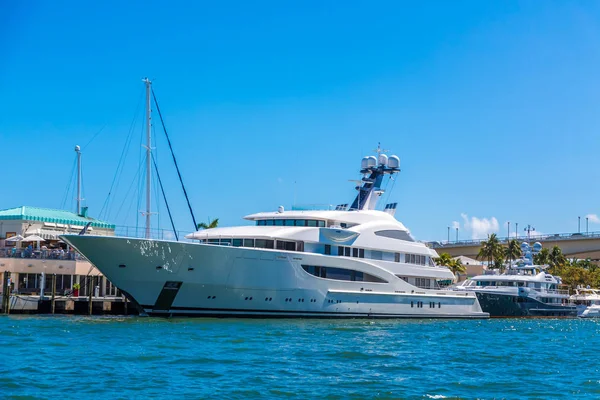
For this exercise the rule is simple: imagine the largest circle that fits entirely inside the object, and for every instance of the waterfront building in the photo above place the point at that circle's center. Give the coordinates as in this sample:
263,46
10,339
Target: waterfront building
32,265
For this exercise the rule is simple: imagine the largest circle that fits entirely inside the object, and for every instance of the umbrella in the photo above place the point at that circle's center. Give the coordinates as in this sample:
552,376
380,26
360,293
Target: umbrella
34,238
17,238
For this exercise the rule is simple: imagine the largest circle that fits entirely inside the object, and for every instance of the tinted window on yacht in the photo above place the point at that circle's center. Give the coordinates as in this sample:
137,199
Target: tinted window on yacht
300,222
355,252
312,222
285,245
289,222
347,251
213,241
340,250
237,242
226,242
376,255
279,222
321,223
248,242
270,222
261,222
264,244
395,234
341,274
327,249
397,257
361,253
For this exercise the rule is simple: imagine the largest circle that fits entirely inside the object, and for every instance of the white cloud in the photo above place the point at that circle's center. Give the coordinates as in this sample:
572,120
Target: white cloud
593,218
455,225
480,227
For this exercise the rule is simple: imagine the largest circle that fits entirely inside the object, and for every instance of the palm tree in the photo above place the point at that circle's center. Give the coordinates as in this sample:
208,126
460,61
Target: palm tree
556,258
542,258
444,259
457,267
211,224
490,250
512,251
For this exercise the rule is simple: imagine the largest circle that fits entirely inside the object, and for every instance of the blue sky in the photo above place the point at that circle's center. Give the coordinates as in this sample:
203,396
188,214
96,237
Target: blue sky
493,107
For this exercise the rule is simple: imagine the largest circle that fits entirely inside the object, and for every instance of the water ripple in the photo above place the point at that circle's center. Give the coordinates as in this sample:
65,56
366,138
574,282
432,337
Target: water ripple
114,357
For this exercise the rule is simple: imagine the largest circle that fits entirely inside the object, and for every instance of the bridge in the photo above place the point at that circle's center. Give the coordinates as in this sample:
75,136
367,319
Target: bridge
573,245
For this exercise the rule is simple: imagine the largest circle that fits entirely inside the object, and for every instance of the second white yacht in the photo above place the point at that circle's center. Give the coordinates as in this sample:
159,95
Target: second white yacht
353,261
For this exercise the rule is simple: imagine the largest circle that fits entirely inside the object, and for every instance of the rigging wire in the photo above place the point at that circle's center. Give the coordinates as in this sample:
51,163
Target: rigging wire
120,164
133,181
165,198
93,137
391,190
63,203
175,160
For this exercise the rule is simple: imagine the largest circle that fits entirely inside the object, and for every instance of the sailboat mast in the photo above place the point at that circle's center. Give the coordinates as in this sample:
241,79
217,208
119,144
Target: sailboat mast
148,154
78,151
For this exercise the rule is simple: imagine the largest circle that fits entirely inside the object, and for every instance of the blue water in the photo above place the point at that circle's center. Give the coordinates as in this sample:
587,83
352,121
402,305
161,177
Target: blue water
108,357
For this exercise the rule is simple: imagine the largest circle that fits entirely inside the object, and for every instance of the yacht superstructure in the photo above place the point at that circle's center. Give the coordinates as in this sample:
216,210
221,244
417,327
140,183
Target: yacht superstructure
524,290
587,301
353,261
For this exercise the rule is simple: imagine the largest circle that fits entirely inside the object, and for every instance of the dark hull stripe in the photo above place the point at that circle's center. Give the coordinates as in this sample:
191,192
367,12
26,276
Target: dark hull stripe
219,312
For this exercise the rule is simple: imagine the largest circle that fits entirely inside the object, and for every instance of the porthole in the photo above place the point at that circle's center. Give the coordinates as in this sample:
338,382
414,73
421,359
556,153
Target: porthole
246,298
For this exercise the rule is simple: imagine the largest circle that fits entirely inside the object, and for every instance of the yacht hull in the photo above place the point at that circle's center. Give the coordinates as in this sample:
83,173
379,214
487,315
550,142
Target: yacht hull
507,305
187,279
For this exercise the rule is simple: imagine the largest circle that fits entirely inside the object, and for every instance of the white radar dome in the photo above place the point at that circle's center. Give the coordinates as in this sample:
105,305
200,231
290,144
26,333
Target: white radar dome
524,246
383,159
77,148
364,163
537,247
280,209
394,162
371,161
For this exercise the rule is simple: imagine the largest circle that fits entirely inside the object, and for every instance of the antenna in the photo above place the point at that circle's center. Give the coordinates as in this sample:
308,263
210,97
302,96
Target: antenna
379,150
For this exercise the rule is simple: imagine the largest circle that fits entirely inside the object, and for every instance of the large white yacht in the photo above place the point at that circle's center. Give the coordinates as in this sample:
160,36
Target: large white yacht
524,290
352,261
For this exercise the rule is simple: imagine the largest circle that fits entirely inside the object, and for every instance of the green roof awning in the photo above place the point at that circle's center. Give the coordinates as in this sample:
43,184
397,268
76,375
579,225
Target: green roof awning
26,213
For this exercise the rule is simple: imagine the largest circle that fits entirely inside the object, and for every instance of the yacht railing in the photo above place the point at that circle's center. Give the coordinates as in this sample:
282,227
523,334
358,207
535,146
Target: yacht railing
313,207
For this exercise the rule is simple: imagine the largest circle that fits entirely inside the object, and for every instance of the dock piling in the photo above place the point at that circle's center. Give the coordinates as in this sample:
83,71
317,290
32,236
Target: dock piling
90,287
5,293
53,301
